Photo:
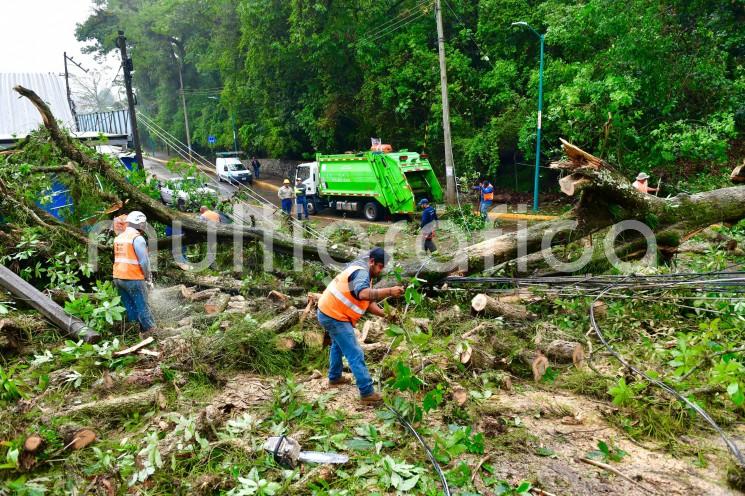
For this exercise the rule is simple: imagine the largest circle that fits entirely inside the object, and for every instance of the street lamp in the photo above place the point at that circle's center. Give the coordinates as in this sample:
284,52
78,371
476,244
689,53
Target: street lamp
232,118
540,109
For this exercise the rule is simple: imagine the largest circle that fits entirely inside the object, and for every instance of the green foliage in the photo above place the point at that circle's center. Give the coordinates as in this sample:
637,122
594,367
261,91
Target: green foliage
104,313
404,379
607,453
643,84
10,388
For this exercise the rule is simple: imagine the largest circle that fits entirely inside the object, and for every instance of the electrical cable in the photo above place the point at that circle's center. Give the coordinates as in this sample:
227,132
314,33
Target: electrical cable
203,162
253,195
402,420
391,31
403,13
694,406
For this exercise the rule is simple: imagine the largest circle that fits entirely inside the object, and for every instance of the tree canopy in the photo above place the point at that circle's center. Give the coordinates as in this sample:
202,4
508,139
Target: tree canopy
644,84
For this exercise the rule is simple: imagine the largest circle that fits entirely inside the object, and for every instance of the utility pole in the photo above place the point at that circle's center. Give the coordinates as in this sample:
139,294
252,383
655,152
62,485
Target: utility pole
449,171
183,99
127,67
67,86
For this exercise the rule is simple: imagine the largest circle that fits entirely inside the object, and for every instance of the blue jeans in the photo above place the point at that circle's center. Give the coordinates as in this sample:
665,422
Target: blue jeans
344,343
287,205
134,299
485,205
302,201
256,172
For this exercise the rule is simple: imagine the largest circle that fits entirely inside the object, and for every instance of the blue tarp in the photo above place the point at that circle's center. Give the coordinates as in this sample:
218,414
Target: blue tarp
57,198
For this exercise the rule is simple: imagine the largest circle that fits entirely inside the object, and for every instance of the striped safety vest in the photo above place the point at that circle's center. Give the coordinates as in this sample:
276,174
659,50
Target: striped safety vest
211,216
126,264
338,302
487,196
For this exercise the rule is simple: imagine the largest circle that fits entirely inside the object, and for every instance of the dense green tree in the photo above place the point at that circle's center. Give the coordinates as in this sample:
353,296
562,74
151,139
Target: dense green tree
646,84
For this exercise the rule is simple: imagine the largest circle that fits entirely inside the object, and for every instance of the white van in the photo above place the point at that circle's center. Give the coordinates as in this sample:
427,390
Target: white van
232,170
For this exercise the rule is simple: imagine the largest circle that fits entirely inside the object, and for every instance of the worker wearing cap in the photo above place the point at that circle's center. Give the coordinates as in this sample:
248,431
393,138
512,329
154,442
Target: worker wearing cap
300,199
428,225
344,301
208,215
132,276
641,183
286,194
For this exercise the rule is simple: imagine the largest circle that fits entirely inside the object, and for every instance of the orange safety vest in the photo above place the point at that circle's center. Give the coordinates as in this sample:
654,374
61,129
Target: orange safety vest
126,264
338,302
211,216
488,196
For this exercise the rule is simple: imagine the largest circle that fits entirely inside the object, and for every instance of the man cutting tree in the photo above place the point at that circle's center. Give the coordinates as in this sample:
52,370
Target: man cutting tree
343,303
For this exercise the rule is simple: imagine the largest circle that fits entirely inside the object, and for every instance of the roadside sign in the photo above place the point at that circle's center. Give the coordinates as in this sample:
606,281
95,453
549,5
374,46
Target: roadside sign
211,139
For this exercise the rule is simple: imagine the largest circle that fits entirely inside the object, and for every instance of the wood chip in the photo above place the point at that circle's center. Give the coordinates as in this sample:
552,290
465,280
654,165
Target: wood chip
136,347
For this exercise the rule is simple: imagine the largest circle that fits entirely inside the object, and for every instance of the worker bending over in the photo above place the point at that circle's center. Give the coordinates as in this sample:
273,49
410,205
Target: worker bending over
428,225
344,301
132,275
286,194
208,215
641,183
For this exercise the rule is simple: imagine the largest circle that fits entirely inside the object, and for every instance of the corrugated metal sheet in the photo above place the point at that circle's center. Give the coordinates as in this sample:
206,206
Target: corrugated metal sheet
17,115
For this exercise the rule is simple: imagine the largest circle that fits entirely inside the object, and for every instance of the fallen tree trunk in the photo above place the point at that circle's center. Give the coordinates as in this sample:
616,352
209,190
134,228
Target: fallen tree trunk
157,211
605,198
70,326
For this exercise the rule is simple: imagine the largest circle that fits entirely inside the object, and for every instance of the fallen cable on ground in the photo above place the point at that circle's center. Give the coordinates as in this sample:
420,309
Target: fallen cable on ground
694,406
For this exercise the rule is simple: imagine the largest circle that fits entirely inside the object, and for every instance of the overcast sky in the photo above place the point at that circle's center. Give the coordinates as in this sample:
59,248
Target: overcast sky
35,33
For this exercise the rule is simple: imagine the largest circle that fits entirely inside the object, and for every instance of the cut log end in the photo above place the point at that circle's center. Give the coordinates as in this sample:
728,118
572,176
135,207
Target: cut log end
33,444
539,365
82,438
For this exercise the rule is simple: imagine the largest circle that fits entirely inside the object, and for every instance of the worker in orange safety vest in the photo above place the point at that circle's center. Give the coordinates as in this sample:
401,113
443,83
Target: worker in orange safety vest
343,303
209,215
132,276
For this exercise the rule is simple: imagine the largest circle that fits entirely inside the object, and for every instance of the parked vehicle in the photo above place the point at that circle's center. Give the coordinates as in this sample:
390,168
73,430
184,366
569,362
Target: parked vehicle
228,167
187,192
372,183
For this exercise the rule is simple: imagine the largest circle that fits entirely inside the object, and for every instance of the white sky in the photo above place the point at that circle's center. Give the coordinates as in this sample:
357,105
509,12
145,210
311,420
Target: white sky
35,33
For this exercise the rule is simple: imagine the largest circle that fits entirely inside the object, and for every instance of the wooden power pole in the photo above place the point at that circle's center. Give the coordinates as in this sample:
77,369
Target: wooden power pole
449,170
121,43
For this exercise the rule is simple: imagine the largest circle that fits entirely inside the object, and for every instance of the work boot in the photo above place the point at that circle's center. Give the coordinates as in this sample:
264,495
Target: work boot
340,381
372,399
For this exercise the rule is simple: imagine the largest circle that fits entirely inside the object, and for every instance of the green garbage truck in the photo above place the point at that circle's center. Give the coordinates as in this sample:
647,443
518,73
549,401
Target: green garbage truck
373,183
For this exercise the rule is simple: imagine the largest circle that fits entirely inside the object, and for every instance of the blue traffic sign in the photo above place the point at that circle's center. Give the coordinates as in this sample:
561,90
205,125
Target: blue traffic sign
211,140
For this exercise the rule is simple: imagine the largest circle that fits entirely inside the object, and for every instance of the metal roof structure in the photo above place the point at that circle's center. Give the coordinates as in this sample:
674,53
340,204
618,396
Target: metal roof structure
18,117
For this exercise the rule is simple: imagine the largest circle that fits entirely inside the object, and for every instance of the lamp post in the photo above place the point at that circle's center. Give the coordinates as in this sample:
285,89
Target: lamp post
232,119
540,111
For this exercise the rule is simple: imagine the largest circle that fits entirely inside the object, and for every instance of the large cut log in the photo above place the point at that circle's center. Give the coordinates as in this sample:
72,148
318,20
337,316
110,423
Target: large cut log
119,405
283,321
216,304
157,211
70,326
563,351
482,303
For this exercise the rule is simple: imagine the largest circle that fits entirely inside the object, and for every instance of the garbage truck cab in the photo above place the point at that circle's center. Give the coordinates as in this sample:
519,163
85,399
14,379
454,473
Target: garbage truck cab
308,174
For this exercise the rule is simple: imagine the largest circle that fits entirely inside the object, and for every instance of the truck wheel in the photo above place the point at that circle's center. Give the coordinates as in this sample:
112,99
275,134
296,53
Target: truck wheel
372,210
312,210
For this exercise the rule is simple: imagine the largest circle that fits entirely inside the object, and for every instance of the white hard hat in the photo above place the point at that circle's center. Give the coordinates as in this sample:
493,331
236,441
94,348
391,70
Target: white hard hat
642,176
136,217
